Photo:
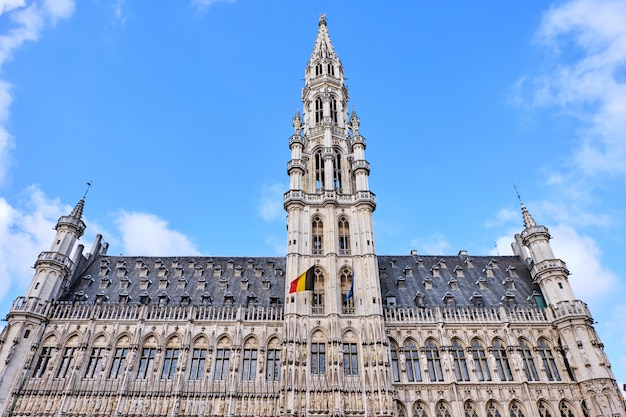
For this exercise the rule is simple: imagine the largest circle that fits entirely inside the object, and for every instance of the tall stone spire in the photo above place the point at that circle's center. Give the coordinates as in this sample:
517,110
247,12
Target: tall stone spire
323,47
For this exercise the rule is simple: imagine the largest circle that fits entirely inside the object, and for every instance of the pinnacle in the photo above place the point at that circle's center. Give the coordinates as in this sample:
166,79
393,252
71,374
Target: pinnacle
77,212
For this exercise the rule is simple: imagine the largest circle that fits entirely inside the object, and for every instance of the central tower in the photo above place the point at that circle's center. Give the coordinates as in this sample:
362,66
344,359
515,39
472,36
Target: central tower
334,329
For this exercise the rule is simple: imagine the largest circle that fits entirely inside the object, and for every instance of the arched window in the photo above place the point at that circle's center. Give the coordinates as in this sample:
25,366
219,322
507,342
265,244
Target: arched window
318,69
502,361
350,351
544,409
337,180
317,236
333,109
45,354
493,410
549,365
480,361
470,409
319,171
344,236
401,412
172,352
331,69
584,409
318,353
460,364
222,359
319,110
273,360
433,360
395,371
198,358
566,410
347,296
516,410
318,292
419,409
529,364
119,357
443,410
412,362
67,360
147,358
96,358
250,355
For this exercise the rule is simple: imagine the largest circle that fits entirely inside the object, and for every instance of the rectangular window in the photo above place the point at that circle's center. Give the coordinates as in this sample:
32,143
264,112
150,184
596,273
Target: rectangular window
95,362
169,364
249,364
198,360
119,361
273,365
395,370
221,364
318,358
42,362
66,362
146,363
350,359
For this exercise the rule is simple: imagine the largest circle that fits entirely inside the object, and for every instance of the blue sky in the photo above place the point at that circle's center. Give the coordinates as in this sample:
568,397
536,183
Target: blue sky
180,115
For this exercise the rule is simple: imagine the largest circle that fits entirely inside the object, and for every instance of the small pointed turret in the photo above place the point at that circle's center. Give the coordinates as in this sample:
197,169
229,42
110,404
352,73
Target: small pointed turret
323,46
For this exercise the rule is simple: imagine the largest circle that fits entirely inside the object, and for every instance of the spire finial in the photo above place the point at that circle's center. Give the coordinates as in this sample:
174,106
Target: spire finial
87,190
528,219
322,19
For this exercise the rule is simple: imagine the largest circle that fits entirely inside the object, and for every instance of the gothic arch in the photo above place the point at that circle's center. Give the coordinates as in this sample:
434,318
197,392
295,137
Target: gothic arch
401,409
493,409
123,339
251,341
470,409
100,339
173,340
200,340
566,409
544,408
151,339
224,341
420,409
318,335
442,409
516,409
73,339
273,343
349,334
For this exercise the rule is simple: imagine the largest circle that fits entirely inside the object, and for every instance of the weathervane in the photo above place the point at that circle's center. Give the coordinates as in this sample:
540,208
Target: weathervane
88,187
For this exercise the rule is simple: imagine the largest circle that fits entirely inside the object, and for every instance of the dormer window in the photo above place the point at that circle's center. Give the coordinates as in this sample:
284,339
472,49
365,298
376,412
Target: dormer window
185,299
442,264
509,299
163,283
80,296
206,299
121,272
469,262
448,300
244,284
198,270
391,299
508,284
144,284
408,272
420,262
101,297
144,298
124,283
258,272
238,271
512,272
428,283
266,284
477,299
124,298
482,283
459,271
435,271
488,271
104,282
229,299
251,300
144,271
453,284
419,299
274,301
223,284
201,284
104,269
164,298
401,283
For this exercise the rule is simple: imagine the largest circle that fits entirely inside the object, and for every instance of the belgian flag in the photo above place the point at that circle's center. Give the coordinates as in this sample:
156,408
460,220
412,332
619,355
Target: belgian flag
304,282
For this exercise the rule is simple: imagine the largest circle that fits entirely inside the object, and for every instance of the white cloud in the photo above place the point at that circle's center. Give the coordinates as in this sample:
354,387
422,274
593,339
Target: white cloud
21,22
587,39
504,215
270,205
147,234
436,244
24,233
203,5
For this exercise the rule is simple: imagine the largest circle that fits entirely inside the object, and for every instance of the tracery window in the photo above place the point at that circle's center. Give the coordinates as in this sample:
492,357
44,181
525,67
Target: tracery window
412,356
318,291
502,361
198,362
493,410
433,360
318,69
470,409
544,410
565,410
419,409
119,361
395,370
350,359
317,234
337,174
331,69
42,361
480,361
318,358
443,410
95,362
515,409
529,364
549,364
319,110
344,236
460,364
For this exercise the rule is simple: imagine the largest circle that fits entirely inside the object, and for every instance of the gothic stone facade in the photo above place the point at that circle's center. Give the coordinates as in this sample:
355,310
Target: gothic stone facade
100,335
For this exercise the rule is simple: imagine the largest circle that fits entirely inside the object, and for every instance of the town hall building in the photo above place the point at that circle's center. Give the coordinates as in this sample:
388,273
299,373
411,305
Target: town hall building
329,329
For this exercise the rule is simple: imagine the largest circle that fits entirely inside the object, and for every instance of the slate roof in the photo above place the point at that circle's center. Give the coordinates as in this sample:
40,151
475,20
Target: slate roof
406,281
